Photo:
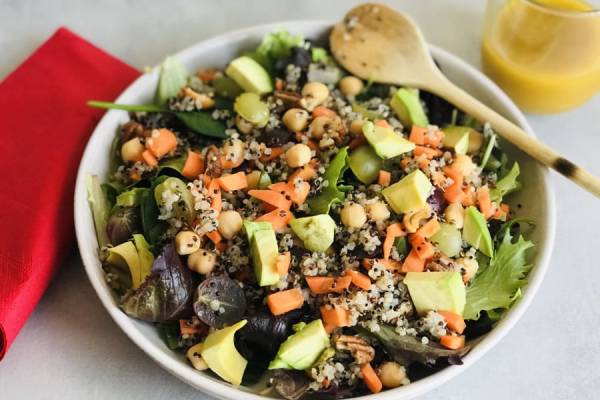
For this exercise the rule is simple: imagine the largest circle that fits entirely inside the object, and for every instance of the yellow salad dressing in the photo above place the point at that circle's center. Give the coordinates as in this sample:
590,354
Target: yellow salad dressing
546,56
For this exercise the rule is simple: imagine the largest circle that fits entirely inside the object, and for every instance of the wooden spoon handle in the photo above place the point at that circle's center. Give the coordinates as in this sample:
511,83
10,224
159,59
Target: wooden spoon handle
512,133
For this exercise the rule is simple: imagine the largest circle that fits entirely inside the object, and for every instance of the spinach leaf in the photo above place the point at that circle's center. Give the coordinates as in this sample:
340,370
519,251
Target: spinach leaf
165,293
169,332
152,227
174,164
202,122
127,107
332,193
198,121
171,79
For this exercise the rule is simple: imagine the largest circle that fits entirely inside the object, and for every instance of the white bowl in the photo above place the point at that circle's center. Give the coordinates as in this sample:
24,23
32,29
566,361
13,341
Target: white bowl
536,198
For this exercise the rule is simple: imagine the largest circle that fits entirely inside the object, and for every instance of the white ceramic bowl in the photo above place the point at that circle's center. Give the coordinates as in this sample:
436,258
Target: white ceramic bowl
536,198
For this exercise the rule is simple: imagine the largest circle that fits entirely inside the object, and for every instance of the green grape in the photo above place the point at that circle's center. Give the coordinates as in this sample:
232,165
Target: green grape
252,109
365,164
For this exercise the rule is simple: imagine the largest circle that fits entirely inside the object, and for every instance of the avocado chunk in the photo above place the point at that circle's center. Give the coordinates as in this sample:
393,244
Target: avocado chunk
302,349
408,194
316,232
476,232
386,142
365,164
250,75
133,256
408,108
264,256
144,255
443,291
448,239
454,138
221,356
250,227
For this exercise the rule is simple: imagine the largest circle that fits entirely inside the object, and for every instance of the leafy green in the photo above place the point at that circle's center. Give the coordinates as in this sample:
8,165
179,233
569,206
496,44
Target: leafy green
331,193
153,228
100,208
131,198
488,150
276,45
110,192
127,107
172,77
506,184
165,293
198,121
122,223
319,54
170,333
203,122
498,284
406,349
401,245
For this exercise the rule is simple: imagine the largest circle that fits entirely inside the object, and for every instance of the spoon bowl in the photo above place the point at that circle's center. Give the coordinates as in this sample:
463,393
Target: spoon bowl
376,43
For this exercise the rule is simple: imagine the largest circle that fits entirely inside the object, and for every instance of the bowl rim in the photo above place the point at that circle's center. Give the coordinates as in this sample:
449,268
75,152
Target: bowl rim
224,390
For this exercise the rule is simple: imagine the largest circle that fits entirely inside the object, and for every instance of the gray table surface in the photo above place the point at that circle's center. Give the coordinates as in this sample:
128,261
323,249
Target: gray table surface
71,349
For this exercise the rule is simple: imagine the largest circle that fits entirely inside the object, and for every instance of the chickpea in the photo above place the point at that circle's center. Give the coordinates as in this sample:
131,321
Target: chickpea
455,214
298,155
313,94
378,211
193,354
295,119
252,178
356,127
319,126
187,242
202,261
469,267
353,215
230,223
132,150
350,86
234,151
464,163
392,374
244,126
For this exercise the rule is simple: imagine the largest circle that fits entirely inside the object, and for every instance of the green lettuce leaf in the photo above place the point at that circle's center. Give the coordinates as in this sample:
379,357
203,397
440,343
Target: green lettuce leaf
498,284
100,207
172,77
276,45
333,192
319,54
507,184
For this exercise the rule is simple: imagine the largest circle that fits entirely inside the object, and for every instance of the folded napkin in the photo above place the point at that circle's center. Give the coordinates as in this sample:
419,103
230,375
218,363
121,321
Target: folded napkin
44,126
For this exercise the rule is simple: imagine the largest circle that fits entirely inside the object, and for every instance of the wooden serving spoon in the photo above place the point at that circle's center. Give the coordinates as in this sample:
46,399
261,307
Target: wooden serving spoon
377,43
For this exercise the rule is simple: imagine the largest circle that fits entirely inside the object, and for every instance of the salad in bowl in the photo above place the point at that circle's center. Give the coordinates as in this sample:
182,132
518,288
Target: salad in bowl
281,221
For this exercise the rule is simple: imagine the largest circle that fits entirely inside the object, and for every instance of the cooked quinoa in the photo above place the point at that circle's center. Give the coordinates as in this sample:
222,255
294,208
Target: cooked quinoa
194,195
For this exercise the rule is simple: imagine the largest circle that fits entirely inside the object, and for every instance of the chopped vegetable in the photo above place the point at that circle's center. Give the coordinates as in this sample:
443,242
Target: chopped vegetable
370,377
285,301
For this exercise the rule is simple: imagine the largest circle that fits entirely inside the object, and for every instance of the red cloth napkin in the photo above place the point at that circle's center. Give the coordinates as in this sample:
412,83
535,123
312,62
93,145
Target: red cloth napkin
44,125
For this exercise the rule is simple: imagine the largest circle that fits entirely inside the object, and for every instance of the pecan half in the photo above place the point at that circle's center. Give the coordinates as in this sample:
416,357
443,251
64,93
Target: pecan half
132,129
358,347
290,99
213,162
